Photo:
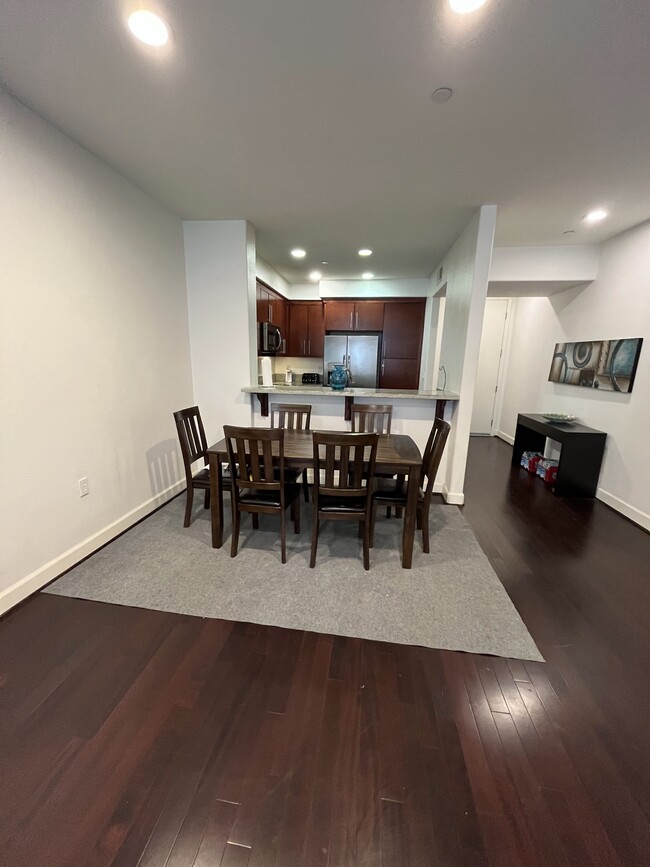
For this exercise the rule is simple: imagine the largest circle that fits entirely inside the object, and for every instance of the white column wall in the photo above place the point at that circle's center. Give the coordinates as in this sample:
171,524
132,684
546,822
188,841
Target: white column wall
466,268
220,267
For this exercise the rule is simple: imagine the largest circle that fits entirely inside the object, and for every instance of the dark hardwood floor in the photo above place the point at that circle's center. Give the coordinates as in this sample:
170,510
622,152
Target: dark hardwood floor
133,737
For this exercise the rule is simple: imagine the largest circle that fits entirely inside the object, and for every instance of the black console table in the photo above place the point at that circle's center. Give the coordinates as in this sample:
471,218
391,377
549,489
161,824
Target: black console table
580,458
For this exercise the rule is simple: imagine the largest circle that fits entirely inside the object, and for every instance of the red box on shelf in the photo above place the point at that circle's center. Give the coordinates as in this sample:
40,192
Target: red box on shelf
547,470
529,460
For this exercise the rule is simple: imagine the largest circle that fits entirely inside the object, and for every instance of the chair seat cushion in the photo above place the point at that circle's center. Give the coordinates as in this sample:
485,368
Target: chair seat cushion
392,490
260,497
290,475
202,478
341,504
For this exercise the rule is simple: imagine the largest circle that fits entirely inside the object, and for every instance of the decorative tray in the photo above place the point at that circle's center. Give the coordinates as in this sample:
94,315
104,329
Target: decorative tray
559,417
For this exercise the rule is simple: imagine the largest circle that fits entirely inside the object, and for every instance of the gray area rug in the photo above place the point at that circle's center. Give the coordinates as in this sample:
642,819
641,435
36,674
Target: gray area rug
451,599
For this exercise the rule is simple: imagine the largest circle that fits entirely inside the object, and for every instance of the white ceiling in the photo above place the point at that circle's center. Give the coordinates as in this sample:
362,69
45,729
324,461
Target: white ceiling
314,121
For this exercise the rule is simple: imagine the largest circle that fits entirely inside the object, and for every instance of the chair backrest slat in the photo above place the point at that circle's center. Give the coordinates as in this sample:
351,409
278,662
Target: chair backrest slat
251,457
292,416
191,435
371,418
345,462
433,452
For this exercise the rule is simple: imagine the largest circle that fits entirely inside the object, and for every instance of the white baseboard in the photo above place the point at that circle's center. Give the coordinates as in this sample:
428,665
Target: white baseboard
505,436
631,512
454,498
33,582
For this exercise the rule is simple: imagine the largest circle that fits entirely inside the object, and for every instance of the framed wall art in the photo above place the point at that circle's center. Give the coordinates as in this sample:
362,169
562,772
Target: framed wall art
608,365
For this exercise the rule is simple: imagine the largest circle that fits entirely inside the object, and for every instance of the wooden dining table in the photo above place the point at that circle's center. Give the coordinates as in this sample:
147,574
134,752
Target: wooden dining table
397,454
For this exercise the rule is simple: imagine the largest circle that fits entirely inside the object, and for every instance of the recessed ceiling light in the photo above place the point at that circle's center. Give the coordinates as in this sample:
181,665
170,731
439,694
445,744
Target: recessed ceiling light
148,28
298,253
324,263
367,275
442,94
464,6
365,252
595,216
315,276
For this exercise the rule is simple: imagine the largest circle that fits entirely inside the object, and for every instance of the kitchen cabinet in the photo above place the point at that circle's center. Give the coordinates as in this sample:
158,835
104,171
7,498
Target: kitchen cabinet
402,344
272,307
306,329
354,315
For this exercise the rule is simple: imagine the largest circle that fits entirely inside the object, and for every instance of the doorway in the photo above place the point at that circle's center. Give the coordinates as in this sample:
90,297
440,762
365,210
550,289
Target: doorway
489,365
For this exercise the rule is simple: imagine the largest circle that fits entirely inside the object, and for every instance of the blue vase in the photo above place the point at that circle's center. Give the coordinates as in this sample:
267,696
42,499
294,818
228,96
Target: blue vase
338,377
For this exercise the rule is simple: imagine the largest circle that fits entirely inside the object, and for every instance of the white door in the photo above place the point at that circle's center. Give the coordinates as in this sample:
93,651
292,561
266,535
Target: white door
489,358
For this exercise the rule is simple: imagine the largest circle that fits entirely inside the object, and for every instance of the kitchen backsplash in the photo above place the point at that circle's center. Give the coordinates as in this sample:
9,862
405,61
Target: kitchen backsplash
298,366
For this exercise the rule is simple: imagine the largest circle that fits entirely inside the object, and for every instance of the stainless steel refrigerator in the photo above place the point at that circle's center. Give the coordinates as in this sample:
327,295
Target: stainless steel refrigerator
359,353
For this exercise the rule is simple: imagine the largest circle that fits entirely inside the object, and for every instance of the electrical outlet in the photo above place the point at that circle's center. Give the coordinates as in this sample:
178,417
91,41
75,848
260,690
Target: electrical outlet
83,487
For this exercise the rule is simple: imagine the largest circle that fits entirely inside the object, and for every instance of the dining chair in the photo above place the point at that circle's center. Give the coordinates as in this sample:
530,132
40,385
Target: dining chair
193,448
344,470
374,418
371,418
258,483
394,491
293,416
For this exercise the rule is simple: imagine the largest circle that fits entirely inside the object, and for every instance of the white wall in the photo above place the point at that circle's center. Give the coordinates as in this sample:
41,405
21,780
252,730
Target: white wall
396,288
575,262
466,269
94,355
270,276
616,304
221,268
303,292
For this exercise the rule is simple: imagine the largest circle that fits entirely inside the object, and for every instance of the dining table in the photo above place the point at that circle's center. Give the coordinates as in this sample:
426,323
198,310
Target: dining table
397,454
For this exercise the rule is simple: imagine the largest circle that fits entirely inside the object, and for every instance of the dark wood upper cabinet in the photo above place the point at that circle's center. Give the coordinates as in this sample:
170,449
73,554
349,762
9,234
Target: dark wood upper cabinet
298,329
402,344
369,316
403,326
316,336
306,331
339,315
354,315
272,307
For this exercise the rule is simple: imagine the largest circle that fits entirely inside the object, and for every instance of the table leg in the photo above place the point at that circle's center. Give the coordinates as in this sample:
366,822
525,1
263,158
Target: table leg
526,440
216,501
410,516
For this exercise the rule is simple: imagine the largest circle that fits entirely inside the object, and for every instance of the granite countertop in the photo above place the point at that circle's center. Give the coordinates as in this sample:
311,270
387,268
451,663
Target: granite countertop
326,391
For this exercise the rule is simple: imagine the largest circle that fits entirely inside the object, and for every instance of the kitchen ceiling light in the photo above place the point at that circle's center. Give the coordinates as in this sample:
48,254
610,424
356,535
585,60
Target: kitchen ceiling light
365,252
367,275
148,28
595,216
315,276
442,94
298,253
463,6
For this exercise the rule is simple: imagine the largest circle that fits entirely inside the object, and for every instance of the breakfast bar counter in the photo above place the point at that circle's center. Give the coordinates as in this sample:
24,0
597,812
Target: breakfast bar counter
382,395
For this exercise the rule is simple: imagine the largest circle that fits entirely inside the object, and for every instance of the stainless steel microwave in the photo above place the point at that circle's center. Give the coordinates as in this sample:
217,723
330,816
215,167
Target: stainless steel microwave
270,339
